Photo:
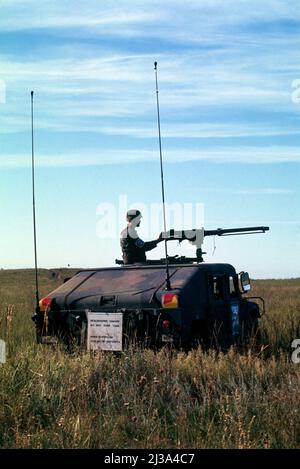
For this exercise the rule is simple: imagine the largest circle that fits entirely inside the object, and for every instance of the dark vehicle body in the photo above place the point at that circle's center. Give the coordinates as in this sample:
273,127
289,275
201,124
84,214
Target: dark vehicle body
204,305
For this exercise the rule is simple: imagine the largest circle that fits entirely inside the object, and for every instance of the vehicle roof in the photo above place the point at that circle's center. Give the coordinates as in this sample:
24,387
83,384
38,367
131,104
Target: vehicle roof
134,279
202,266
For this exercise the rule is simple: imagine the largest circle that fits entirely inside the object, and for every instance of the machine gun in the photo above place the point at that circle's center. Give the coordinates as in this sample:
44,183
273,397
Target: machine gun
196,236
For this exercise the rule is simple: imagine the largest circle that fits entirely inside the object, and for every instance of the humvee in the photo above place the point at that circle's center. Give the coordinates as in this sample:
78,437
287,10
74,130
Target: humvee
177,301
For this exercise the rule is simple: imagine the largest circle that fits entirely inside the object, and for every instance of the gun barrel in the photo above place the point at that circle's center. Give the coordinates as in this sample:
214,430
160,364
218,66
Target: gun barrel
236,231
194,235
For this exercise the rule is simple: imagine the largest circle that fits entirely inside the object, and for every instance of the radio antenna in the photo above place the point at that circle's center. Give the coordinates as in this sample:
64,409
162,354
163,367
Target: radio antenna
168,283
33,209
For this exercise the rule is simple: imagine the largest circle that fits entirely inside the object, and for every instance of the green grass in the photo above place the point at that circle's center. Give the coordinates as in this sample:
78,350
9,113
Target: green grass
143,399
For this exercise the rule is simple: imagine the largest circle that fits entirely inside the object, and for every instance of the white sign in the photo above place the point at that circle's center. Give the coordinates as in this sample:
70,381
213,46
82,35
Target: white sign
104,331
2,352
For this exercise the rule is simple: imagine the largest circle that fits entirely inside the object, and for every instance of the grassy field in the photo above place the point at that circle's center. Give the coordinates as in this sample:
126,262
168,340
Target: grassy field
143,399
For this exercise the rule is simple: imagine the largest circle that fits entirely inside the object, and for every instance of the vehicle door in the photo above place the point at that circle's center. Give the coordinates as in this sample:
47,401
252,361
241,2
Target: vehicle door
219,319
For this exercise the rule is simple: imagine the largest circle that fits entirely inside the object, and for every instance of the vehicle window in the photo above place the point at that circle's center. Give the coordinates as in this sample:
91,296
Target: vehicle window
231,287
217,287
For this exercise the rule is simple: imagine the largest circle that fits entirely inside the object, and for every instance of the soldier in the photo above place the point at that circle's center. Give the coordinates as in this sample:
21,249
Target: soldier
134,248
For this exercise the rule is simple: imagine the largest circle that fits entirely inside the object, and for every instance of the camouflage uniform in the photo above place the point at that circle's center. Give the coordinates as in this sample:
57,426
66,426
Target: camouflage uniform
134,248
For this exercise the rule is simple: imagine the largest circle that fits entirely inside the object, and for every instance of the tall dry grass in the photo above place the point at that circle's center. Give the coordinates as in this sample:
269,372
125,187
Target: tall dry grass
143,399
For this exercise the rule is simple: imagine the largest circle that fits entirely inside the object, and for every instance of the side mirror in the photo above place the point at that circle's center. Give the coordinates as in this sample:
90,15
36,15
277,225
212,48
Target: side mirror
245,282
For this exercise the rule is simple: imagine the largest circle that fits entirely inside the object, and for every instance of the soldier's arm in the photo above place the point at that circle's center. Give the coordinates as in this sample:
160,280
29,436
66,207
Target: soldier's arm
149,245
152,244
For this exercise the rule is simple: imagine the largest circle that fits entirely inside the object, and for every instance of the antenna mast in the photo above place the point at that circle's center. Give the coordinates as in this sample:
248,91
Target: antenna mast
168,284
33,208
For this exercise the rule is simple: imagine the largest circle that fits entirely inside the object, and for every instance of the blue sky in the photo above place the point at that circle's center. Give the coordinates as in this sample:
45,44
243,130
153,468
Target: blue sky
229,89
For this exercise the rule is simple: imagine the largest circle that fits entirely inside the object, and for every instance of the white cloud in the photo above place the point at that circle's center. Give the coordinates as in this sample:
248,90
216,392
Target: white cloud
242,155
2,91
200,131
195,18
70,92
17,16
112,92
264,191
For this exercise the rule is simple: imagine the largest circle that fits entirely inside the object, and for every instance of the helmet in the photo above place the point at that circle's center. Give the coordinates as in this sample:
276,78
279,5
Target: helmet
133,214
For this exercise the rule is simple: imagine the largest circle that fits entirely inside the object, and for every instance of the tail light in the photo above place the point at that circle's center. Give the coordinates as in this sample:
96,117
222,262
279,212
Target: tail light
166,324
169,300
45,303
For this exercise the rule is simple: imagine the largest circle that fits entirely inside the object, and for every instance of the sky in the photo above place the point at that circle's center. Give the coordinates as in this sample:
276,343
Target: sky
229,97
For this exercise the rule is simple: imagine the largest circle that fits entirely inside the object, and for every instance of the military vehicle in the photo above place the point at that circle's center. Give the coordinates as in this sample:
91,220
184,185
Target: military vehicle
176,300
